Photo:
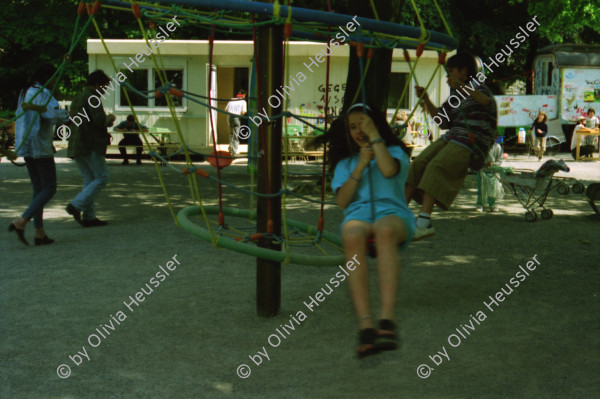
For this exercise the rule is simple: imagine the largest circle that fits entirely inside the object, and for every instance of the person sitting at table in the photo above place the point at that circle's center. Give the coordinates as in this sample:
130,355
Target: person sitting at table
130,125
586,147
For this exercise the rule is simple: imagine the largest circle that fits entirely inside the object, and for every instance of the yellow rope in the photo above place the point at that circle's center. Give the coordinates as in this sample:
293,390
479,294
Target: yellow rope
163,80
423,30
443,19
360,82
286,165
424,91
374,9
321,249
404,91
138,122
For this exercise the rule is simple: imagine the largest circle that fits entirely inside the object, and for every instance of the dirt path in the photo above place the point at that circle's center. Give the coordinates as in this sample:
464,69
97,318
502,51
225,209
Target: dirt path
192,332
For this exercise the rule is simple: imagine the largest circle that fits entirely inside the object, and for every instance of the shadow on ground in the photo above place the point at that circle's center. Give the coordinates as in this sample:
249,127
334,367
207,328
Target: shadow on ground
191,332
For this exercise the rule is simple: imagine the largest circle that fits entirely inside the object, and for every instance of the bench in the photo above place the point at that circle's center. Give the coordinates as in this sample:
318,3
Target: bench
162,149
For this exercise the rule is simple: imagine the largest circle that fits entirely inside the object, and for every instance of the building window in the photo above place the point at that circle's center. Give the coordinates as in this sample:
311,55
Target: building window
550,70
175,77
547,69
147,81
139,80
397,83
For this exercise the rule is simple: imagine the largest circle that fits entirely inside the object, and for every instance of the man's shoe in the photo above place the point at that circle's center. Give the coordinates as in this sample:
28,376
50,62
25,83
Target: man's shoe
423,232
71,210
94,223
125,162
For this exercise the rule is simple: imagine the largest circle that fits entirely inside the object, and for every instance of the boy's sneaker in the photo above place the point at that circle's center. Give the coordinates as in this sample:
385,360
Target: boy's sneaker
493,208
423,232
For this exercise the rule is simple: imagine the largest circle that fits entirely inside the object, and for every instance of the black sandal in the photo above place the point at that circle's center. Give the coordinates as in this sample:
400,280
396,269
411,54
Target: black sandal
20,233
366,343
386,339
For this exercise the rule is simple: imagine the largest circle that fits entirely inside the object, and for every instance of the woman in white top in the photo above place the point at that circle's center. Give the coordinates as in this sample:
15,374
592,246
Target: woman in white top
586,147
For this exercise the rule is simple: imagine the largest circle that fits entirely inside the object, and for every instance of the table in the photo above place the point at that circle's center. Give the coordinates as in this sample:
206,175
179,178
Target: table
161,136
294,146
589,132
158,135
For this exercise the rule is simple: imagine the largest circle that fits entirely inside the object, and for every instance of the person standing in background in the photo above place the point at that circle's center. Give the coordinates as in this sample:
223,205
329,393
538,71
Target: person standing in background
37,149
592,120
540,130
488,185
236,106
87,145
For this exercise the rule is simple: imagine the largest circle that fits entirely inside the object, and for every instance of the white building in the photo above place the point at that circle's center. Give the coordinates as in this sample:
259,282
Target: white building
187,65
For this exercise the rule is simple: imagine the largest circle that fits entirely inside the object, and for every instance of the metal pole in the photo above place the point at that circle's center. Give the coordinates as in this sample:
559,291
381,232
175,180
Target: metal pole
268,210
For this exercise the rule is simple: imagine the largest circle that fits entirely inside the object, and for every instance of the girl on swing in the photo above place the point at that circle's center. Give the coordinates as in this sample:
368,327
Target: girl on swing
370,169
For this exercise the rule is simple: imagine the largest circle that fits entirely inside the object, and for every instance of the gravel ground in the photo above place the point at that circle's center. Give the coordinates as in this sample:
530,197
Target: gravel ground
71,300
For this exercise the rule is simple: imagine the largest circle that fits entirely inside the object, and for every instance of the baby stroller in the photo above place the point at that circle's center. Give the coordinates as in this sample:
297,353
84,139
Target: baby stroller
531,188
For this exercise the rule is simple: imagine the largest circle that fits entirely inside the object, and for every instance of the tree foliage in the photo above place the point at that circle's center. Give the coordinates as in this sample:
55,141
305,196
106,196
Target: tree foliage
36,31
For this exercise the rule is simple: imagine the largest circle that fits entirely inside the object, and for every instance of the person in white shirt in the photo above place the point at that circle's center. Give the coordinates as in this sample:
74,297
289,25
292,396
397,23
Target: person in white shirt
592,120
586,146
33,141
236,106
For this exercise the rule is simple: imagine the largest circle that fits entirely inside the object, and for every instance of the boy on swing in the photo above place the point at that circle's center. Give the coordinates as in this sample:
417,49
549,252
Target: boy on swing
437,174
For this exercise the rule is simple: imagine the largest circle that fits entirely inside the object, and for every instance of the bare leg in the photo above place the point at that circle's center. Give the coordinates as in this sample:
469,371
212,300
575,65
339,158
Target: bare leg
20,223
428,203
354,236
40,233
389,232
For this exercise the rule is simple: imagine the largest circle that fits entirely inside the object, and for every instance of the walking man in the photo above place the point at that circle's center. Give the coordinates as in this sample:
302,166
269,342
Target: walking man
87,146
236,106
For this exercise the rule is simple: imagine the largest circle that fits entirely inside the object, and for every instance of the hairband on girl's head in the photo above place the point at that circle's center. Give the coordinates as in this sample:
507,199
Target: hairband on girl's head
364,107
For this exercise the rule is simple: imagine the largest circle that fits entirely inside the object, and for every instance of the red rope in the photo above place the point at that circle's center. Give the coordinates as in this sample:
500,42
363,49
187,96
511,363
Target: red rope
212,126
321,223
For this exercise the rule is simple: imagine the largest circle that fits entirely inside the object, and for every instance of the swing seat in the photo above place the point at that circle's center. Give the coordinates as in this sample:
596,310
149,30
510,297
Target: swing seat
371,250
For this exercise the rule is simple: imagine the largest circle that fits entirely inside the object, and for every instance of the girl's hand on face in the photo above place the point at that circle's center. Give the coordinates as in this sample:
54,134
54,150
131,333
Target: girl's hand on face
368,127
366,155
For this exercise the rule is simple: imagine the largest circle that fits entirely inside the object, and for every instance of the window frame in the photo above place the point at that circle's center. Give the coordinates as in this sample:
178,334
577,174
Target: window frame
150,72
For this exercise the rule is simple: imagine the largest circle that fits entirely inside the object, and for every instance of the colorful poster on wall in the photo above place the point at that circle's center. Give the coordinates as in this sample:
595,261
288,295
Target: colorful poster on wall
580,91
522,110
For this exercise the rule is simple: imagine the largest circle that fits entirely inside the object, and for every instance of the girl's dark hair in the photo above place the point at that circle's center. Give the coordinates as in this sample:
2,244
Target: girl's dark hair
340,142
41,75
